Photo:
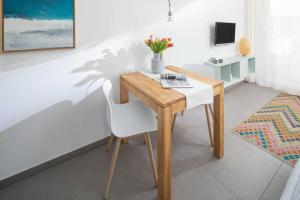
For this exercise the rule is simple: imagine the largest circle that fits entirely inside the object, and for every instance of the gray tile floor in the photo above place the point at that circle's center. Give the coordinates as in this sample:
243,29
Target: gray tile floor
245,173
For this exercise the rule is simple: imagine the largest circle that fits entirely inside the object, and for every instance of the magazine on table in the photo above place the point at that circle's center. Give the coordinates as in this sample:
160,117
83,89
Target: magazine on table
174,80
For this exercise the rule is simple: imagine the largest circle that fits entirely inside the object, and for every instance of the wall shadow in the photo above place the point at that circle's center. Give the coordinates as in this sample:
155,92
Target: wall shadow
111,65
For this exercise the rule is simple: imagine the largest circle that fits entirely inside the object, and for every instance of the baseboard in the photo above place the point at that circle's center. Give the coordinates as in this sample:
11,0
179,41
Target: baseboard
37,169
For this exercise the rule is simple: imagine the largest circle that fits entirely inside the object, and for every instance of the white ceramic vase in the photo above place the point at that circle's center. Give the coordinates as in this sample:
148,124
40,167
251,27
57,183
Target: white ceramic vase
157,64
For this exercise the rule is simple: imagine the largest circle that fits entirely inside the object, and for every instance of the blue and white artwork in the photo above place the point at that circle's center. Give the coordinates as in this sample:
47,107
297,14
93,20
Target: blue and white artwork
38,24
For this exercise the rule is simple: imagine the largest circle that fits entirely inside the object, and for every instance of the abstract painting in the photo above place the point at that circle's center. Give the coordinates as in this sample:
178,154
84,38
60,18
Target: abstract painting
38,24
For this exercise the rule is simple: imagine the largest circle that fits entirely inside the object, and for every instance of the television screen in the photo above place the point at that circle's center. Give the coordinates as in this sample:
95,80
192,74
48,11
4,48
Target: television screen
225,33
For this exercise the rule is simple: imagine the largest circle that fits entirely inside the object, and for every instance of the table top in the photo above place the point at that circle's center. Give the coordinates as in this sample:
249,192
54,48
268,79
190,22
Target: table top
154,91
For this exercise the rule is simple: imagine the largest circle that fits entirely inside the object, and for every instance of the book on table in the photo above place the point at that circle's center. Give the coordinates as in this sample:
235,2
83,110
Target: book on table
174,80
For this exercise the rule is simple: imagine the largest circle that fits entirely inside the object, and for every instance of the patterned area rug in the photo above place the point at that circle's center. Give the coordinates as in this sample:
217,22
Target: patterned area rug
275,128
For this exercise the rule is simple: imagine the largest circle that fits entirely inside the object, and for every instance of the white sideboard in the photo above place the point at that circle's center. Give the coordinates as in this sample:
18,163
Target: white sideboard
233,70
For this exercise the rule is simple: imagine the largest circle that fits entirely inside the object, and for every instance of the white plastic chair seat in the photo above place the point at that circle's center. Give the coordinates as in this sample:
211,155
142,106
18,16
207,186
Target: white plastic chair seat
128,119
132,118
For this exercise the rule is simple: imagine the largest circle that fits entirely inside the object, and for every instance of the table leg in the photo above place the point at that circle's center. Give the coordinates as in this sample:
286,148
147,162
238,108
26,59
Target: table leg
219,124
124,98
164,148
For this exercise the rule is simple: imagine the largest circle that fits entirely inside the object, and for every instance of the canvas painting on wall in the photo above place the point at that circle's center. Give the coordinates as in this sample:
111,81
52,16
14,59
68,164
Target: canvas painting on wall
38,24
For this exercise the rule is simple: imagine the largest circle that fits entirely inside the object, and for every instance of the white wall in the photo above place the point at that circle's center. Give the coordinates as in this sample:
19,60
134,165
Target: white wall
50,101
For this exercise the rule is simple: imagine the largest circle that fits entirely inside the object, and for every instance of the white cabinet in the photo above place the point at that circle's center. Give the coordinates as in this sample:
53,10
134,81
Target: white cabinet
233,70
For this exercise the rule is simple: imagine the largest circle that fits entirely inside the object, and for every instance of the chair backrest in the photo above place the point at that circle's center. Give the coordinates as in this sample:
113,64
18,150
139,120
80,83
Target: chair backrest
107,90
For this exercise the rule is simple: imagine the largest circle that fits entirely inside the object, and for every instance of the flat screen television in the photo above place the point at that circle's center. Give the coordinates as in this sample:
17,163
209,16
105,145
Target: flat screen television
225,33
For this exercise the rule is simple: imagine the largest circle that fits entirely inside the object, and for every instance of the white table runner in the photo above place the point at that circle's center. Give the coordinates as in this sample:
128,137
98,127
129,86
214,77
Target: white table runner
200,94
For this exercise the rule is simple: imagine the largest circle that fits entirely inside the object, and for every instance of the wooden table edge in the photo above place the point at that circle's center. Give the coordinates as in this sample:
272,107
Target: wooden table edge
178,103
182,99
182,70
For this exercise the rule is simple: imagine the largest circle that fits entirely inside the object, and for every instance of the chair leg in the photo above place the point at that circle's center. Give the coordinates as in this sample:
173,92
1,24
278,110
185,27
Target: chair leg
112,168
145,139
173,123
110,140
151,156
211,112
209,125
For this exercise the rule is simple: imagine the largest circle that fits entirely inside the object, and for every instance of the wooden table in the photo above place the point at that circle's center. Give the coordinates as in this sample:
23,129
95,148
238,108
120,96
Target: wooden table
166,103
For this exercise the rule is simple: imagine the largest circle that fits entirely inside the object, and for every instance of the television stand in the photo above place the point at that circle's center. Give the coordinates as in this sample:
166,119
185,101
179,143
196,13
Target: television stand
233,70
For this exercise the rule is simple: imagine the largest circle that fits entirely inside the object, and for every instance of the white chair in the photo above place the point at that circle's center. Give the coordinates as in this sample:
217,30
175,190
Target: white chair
209,114
126,120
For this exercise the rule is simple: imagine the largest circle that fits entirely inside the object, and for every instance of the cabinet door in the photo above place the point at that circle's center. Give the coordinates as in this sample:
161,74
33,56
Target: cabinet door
244,68
226,73
217,73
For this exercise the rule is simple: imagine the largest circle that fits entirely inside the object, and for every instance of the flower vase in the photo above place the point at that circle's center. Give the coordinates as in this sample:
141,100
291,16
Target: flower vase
157,64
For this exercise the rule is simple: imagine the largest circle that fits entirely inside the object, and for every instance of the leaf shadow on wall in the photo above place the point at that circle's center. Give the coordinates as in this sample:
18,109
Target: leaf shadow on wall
111,66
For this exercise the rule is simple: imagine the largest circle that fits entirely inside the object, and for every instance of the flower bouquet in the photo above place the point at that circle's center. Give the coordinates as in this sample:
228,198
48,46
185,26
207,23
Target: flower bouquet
158,46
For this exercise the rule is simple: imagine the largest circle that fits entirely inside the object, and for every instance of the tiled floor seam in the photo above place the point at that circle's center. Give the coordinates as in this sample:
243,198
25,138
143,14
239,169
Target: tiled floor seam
262,195
261,152
227,189
47,183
